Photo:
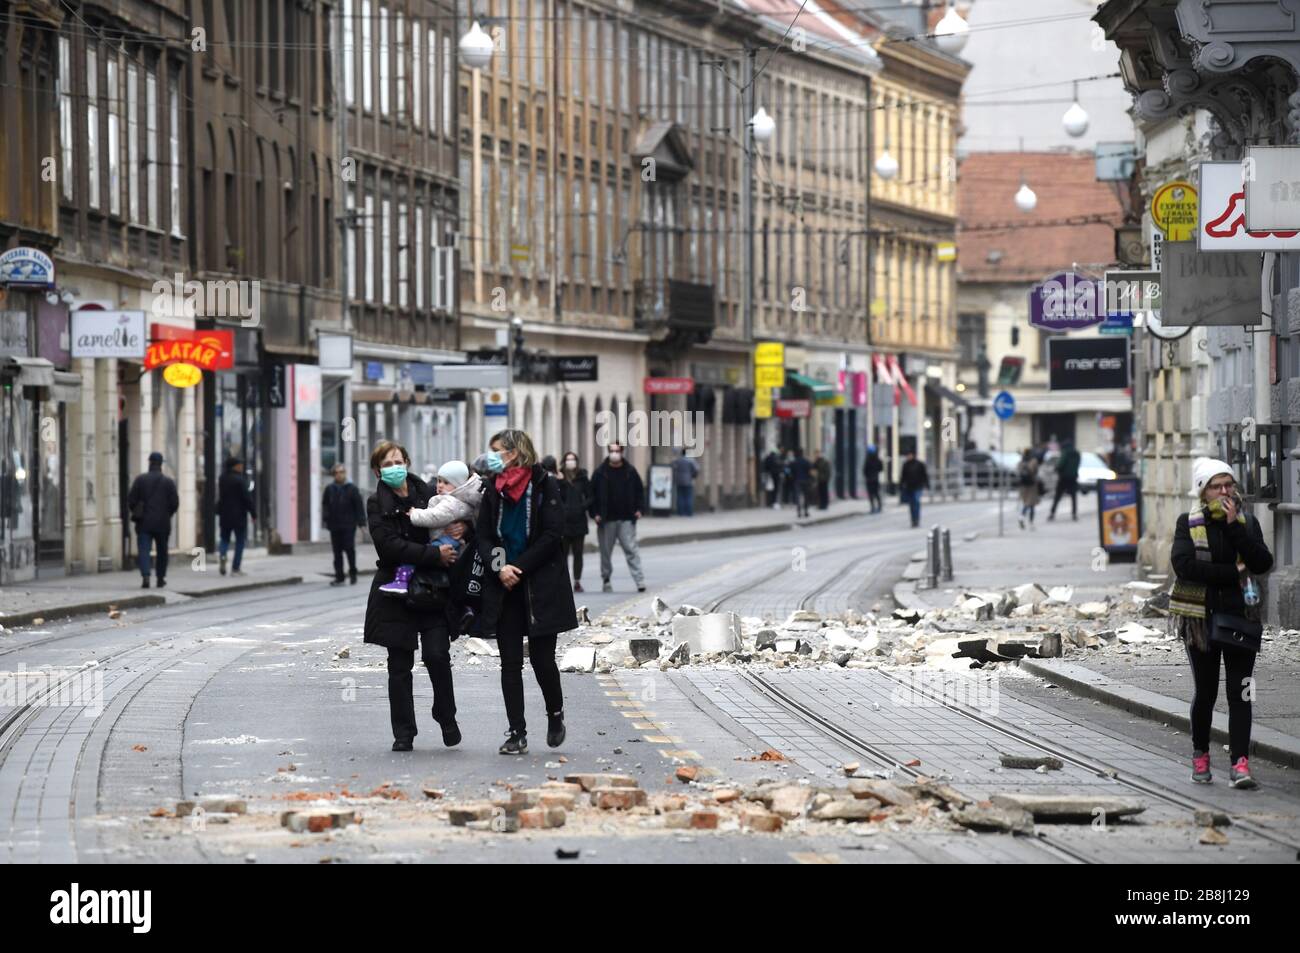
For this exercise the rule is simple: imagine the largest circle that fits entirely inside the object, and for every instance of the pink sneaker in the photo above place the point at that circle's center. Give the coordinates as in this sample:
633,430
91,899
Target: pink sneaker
1201,768
400,578
1239,776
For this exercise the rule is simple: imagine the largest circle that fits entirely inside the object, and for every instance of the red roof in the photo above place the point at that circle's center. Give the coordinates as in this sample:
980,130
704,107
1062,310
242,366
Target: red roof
1074,221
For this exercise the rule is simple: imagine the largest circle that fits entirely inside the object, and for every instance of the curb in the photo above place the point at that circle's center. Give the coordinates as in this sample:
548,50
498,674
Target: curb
242,587
706,534
1266,742
17,619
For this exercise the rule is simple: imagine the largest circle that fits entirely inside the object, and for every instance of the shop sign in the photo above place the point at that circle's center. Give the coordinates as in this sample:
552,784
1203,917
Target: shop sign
1173,210
26,268
306,392
669,385
793,408
182,375
1272,187
1222,224
208,350
98,334
1199,288
577,367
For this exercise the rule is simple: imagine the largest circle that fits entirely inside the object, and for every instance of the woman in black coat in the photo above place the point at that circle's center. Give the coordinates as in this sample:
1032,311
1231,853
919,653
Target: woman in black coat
390,622
526,591
575,494
1215,546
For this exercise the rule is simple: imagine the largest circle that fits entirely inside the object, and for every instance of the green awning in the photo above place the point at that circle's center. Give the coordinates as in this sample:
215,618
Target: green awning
820,389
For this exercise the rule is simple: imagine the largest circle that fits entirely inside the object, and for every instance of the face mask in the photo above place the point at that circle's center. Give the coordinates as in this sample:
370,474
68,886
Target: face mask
615,457
393,476
494,461
570,464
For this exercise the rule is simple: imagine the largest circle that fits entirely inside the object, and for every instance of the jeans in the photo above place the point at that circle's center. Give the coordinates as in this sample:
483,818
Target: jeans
624,532
435,651
1238,665
240,534
913,500
573,545
143,541
343,541
686,501
512,627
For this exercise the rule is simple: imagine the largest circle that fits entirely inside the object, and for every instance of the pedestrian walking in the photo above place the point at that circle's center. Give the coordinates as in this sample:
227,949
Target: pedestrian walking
912,479
789,485
772,471
871,468
685,470
1067,480
1215,604
824,472
1029,486
526,590
801,478
400,624
152,501
617,496
575,493
234,508
343,512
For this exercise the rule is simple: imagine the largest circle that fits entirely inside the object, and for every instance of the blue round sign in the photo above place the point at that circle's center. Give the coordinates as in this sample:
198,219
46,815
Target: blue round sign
1004,405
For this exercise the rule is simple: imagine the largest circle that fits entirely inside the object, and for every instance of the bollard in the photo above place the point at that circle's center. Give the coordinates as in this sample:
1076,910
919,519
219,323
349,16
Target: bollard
932,560
945,563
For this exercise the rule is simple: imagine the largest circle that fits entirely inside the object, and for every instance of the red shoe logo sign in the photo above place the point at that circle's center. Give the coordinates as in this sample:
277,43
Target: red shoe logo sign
1235,218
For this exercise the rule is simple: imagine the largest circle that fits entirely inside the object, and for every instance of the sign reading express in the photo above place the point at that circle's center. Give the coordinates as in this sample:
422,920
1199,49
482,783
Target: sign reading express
206,350
1066,302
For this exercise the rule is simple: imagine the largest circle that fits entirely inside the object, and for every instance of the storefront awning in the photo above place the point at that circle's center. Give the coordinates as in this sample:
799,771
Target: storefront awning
28,371
821,389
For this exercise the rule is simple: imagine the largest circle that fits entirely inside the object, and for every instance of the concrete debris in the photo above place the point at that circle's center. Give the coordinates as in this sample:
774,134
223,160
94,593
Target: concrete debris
1031,762
542,818
1133,633
616,653
212,805
1092,610
886,792
992,817
766,639
803,615
1139,585
1071,807
476,646
715,632
977,609
910,616
848,809
754,819
838,638
1213,837
1021,612
317,820
1050,646
1031,593
1059,595
680,656
645,650
1210,818
584,616
790,801
850,768
589,782
689,610
611,798
578,658
663,612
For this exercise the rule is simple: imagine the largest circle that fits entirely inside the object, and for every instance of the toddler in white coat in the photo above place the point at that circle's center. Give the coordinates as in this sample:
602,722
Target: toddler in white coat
457,501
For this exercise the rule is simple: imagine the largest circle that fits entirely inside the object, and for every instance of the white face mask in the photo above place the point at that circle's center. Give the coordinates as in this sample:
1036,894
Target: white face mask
615,457
570,464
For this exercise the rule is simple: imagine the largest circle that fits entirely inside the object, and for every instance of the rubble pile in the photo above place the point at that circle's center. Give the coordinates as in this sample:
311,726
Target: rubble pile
981,628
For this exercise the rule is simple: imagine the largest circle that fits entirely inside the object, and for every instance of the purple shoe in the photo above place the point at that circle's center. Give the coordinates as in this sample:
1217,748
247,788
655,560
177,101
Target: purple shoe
400,578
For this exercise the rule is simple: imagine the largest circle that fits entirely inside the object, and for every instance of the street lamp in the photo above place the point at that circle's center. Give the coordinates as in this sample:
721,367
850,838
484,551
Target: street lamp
886,165
476,47
762,125
1075,119
1025,198
952,32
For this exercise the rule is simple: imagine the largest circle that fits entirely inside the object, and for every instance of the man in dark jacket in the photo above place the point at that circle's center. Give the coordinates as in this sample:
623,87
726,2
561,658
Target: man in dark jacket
617,495
685,470
342,510
575,492
871,468
801,477
824,472
772,474
1067,480
152,501
912,479
234,507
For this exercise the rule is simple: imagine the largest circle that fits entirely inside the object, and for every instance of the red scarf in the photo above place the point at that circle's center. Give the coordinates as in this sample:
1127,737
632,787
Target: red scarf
513,482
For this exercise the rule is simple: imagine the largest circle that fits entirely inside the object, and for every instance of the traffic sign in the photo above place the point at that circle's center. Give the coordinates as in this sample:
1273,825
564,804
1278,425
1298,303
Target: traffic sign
1004,405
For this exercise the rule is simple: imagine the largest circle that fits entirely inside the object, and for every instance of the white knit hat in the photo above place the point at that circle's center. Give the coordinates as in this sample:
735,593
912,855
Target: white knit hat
454,472
1205,469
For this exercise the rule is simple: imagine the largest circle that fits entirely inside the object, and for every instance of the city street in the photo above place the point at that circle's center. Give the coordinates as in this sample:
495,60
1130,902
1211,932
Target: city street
268,697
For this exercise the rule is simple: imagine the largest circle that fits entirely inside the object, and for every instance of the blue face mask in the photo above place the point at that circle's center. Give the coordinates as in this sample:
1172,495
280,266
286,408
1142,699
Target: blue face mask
393,476
494,461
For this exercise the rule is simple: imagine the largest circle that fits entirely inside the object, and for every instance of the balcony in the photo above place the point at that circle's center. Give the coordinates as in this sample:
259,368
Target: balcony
677,314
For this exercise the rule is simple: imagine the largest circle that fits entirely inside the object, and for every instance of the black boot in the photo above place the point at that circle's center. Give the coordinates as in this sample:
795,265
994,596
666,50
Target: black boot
555,729
516,743
451,734
403,744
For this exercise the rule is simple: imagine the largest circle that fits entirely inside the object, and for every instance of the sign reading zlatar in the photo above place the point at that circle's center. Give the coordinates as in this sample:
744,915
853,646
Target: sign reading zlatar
208,350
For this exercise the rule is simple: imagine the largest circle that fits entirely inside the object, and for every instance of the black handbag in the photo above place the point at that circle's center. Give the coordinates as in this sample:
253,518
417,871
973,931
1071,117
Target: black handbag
1235,632
427,589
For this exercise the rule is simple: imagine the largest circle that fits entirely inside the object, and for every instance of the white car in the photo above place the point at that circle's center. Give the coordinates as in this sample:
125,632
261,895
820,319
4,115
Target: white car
1091,469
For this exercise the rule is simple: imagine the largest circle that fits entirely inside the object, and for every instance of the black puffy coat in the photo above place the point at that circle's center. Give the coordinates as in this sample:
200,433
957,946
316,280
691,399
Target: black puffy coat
389,621
575,493
341,507
545,570
617,493
1219,572
234,500
157,492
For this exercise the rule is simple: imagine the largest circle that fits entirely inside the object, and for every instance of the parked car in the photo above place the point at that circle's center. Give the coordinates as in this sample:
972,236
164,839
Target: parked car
989,467
1091,469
